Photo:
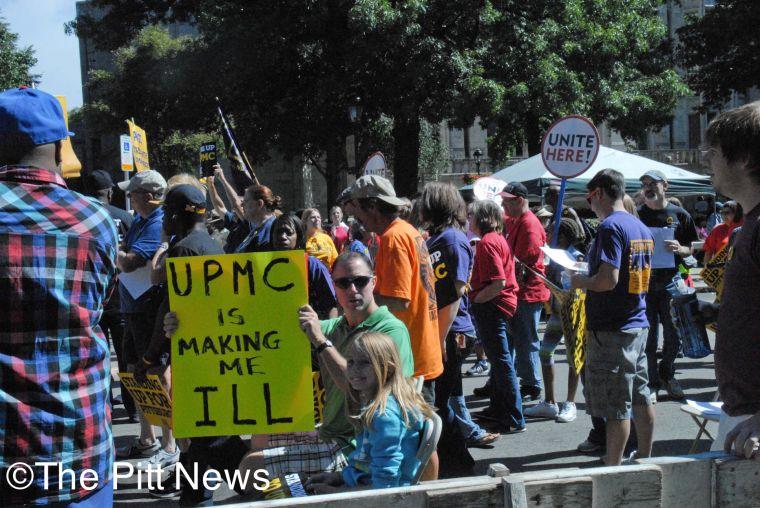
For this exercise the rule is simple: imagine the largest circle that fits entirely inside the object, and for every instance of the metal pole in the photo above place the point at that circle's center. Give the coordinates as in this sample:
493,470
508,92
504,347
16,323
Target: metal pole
126,195
558,211
356,152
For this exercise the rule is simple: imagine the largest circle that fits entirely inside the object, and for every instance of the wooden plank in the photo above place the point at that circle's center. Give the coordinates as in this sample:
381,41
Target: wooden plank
685,481
514,493
566,493
633,486
737,482
476,496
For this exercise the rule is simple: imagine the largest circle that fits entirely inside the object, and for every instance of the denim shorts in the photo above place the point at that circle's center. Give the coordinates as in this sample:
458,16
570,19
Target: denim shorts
616,373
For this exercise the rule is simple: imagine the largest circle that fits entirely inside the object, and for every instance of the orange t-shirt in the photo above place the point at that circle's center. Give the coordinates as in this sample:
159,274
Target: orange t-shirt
404,270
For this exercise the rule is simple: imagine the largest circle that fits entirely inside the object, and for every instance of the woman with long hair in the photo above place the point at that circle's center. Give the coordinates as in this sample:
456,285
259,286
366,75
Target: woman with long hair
318,243
391,419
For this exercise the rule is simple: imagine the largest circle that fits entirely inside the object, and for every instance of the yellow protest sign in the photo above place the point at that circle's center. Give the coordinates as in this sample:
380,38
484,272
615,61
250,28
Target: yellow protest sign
318,389
151,396
573,313
70,165
240,362
139,146
713,272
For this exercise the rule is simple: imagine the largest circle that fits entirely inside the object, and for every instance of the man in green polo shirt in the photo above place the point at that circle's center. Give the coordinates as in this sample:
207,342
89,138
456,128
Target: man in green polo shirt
354,283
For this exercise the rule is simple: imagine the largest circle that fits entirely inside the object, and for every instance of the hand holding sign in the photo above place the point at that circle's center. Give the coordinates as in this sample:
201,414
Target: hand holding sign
486,188
569,149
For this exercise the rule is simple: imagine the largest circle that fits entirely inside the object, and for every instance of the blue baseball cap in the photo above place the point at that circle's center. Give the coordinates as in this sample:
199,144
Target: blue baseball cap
32,116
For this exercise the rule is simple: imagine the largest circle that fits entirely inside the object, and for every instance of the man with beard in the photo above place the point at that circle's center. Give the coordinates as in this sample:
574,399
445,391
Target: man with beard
664,220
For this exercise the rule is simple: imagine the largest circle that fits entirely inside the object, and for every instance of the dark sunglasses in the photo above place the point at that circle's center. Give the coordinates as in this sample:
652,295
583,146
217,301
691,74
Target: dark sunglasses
358,282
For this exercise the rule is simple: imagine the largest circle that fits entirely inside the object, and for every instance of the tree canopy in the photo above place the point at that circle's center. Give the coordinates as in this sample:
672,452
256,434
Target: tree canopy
15,63
286,70
719,51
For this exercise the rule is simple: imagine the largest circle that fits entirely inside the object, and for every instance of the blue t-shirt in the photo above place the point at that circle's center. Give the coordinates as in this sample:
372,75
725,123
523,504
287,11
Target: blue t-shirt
259,239
321,291
452,258
143,238
624,242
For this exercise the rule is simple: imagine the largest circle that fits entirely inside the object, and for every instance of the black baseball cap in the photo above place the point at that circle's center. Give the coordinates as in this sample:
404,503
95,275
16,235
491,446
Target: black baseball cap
185,198
99,180
514,190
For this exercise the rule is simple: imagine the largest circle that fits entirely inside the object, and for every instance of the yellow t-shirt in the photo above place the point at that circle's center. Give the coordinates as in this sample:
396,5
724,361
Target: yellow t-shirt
404,270
322,247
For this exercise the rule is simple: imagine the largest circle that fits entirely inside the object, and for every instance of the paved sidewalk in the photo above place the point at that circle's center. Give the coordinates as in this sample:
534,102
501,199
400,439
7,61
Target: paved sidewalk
545,445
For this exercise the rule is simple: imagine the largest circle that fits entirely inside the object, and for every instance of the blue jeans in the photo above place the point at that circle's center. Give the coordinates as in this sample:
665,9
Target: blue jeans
469,429
526,344
491,326
658,311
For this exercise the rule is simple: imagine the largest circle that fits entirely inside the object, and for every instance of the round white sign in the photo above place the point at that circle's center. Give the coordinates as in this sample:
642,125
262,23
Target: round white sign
488,188
570,146
375,165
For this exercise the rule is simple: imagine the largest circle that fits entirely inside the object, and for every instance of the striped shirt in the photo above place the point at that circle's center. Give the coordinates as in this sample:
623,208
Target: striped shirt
57,257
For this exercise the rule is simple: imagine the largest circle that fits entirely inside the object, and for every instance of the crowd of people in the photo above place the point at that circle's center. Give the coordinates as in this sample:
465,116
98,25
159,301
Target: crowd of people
400,293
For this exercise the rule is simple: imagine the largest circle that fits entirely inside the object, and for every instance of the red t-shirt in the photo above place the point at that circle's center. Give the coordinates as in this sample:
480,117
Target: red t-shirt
339,236
526,236
494,261
718,237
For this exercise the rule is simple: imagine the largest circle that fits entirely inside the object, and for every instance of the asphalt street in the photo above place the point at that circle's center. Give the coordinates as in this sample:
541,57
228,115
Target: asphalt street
545,445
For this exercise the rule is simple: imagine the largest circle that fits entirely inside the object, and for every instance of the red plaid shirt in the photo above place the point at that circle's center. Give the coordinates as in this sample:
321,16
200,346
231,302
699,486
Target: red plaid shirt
57,257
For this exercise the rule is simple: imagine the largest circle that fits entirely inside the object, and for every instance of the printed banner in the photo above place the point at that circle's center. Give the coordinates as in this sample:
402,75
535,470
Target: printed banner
139,146
151,396
713,272
573,313
240,362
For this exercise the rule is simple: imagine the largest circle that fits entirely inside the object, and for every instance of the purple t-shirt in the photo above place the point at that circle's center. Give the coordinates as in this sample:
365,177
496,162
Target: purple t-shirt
624,242
451,256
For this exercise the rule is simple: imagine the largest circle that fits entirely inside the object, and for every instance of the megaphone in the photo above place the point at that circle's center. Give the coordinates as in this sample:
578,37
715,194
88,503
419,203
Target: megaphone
70,165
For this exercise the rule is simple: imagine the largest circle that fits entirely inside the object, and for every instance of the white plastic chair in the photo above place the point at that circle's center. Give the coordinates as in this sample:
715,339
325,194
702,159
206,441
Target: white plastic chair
701,418
431,433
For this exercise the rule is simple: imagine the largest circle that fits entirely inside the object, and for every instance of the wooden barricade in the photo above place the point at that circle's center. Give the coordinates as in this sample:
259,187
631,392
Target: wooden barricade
706,480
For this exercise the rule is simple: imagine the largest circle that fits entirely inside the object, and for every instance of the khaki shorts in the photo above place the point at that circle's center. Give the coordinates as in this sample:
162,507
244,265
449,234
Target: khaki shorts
616,373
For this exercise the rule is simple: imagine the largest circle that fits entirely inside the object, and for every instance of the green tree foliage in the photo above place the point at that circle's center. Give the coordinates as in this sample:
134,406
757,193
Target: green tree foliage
287,69
719,51
154,81
15,63
606,59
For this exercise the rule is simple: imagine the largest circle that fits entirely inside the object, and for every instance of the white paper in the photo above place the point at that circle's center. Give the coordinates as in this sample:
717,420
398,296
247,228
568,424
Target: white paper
137,282
564,259
707,408
662,258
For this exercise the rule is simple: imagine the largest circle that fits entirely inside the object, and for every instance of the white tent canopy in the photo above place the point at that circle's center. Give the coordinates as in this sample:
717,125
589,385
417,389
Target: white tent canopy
534,175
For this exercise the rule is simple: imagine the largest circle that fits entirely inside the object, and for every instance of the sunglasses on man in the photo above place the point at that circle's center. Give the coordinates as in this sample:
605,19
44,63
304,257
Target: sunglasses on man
359,282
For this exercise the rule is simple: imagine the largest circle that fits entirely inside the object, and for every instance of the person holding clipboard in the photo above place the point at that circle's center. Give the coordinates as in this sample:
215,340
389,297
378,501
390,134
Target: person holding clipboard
673,231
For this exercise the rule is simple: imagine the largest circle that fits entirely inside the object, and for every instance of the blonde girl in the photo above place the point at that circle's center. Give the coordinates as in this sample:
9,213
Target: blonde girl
391,418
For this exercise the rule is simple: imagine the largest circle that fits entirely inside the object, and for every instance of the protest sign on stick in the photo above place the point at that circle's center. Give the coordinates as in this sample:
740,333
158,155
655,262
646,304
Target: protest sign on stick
488,189
151,396
208,159
240,362
139,146
568,149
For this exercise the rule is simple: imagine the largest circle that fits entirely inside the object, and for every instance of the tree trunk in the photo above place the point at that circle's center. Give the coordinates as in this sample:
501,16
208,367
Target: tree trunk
533,135
335,164
406,152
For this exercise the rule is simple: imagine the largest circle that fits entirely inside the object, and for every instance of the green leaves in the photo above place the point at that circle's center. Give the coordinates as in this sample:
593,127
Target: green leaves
15,63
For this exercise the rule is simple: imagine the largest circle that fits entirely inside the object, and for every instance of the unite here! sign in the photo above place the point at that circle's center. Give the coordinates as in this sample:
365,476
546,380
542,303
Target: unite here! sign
570,146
